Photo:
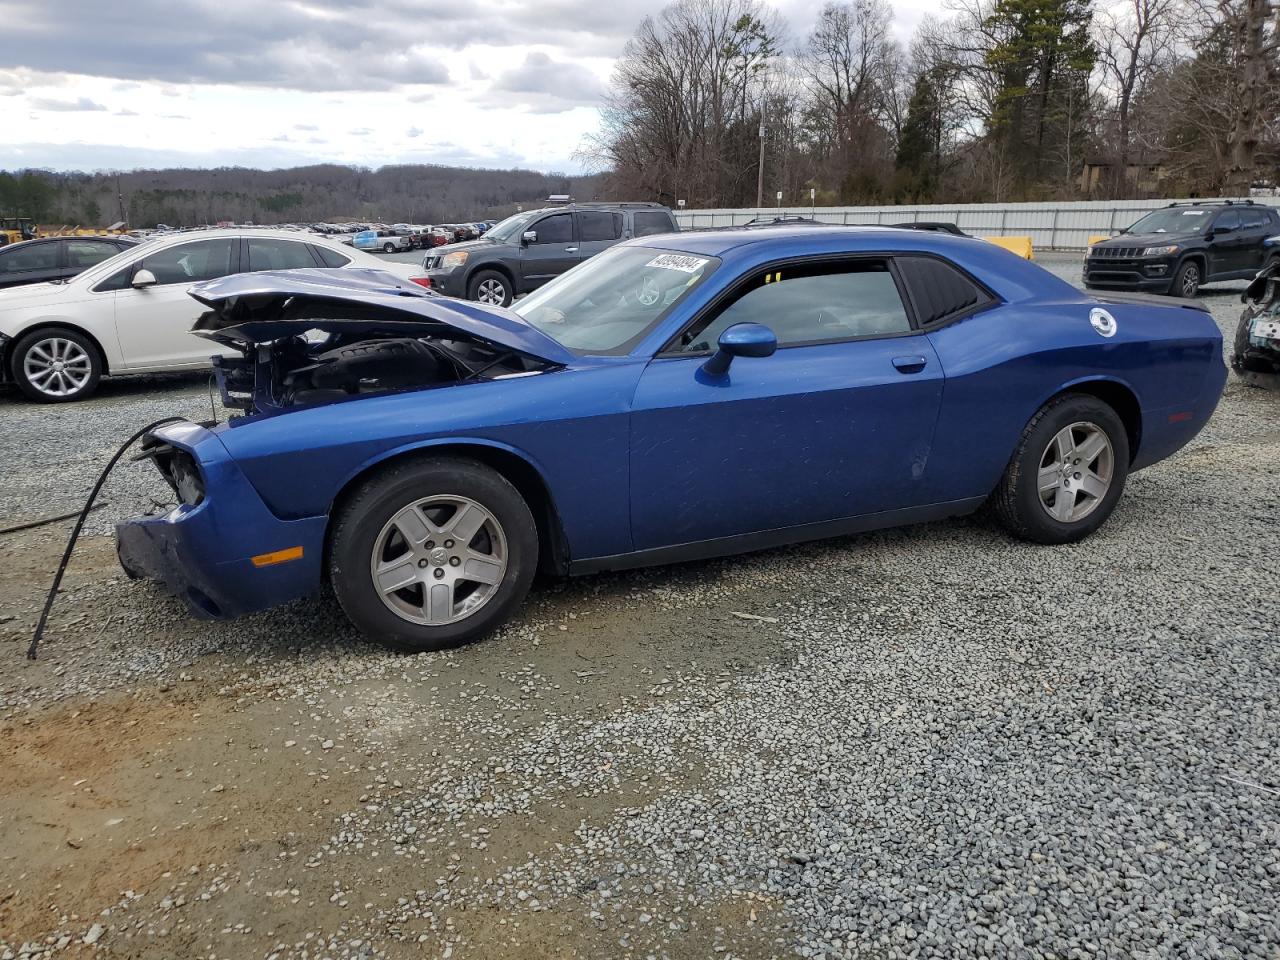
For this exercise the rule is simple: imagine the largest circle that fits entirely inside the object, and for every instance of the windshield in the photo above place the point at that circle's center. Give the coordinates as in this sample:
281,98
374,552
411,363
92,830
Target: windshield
1173,220
511,227
609,302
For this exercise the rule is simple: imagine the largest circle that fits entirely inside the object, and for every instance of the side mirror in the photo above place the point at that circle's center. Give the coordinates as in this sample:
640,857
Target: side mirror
1219,231
741,340
528,237
143,278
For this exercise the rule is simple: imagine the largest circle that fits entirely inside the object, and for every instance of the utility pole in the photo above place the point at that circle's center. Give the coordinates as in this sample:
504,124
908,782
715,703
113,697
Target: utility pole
760,169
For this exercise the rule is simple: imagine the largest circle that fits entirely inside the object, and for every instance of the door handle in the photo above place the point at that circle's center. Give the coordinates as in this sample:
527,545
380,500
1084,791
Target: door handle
910,364
570,249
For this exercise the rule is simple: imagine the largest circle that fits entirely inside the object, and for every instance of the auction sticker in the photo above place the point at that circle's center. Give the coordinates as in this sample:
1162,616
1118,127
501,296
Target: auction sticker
675,261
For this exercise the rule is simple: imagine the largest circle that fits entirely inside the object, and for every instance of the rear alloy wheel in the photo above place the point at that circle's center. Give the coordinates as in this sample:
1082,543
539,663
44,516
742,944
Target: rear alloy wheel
1187,282
433,553
388,248
489,286
56,366
1067,473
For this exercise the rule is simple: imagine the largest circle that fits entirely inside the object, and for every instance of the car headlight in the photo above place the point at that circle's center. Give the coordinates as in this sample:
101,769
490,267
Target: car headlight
1160,251
455,259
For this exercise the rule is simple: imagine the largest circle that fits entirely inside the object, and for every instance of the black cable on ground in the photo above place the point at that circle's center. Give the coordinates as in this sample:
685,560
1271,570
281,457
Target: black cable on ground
75,533
43,521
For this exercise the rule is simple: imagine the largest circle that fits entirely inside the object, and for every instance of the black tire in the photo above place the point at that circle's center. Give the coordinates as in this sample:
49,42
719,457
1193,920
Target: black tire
496,282
1186,282
43,342
388,248
1241,343
366,513
1017,500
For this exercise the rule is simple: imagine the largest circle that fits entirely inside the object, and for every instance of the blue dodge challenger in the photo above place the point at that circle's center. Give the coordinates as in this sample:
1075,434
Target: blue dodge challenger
679,396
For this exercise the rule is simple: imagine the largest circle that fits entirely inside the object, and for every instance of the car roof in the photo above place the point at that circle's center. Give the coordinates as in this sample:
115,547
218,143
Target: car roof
1008,274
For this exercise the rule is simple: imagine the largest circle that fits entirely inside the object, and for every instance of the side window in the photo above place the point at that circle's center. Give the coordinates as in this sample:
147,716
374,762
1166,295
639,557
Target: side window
278,255
85,253
647,223
1253,219
555,229
192,262
938,289
37,256
598,225
811,303
330,258
1230,220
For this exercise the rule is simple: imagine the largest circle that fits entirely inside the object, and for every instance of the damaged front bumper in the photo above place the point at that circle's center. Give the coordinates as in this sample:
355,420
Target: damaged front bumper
1256,355
223,553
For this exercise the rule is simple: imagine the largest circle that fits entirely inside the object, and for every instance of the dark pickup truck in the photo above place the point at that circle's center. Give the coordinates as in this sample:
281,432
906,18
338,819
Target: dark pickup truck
1176,249
526,250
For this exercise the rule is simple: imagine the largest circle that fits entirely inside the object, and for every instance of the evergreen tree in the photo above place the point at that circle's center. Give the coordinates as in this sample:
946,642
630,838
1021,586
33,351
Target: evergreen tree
1042,52
916,166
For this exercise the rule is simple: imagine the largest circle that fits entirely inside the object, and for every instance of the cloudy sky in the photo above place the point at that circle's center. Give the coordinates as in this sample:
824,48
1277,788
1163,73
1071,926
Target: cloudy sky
118,84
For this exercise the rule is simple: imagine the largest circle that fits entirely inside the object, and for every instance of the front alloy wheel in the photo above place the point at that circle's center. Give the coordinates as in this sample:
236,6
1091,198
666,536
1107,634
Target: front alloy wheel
490,286
56,366
1187,284
439,560
432,552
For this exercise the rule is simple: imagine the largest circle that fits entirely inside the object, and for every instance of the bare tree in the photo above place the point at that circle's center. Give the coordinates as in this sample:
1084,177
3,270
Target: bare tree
686,101
1134,39
1255,28
849,64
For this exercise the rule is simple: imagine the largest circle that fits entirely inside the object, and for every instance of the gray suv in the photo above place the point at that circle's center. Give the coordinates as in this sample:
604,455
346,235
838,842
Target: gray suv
526,250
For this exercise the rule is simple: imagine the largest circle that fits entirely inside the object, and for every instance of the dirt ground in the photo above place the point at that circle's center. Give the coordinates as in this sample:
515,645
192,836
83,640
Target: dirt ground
213,791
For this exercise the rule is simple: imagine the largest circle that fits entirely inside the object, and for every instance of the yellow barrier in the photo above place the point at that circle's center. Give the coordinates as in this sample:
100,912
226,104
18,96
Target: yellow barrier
1096,237
77,232
1019,245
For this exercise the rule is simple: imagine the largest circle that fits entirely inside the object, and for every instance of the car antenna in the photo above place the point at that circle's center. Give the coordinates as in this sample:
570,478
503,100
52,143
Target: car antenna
75,532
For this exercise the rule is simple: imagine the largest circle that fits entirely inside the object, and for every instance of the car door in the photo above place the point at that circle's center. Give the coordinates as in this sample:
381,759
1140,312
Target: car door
153,323
1225,254
552,251
1255,227
30,261
837,423
598,230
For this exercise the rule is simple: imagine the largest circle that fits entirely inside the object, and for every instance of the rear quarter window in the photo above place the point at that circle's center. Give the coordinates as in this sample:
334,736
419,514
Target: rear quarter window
940,291
647,223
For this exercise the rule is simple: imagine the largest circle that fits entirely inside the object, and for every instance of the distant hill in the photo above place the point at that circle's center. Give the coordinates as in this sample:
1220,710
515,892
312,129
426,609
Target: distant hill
181,197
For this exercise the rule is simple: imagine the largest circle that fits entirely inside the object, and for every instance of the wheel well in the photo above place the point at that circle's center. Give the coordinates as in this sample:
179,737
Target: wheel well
55,325
1120,399
1199,257
553,549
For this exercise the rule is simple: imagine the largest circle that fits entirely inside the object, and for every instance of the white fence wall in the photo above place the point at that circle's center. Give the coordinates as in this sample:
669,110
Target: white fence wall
1051,226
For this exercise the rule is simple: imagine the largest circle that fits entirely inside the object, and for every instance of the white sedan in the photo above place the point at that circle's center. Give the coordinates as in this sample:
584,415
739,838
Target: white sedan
131,313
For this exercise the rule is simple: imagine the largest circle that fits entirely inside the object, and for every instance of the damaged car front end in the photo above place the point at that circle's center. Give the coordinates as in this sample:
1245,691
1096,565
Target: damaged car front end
305,339
1256,354
309,337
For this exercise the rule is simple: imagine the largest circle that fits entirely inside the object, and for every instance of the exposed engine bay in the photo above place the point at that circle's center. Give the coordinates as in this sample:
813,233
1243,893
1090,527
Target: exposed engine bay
306,337
330,365
1256,353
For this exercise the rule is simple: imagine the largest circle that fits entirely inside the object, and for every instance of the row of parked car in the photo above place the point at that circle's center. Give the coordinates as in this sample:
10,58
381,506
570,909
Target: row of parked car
403,237
119,305
82,307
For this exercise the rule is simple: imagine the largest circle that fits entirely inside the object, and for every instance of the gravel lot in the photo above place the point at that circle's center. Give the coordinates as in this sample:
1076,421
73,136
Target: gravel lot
928,742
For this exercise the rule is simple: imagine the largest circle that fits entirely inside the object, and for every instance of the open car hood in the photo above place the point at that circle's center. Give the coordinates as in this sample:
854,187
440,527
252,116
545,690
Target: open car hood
249,308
